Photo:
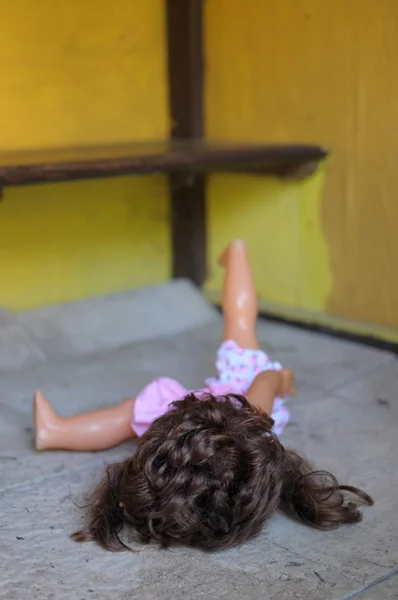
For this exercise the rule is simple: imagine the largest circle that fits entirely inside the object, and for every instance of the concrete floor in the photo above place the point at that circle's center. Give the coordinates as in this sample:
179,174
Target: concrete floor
93,353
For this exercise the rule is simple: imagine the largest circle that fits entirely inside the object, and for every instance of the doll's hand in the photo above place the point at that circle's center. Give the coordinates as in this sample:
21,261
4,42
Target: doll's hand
286,383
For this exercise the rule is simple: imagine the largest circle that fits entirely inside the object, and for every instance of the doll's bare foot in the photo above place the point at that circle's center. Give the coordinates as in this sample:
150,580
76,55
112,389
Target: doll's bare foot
46,422
223,258
286,386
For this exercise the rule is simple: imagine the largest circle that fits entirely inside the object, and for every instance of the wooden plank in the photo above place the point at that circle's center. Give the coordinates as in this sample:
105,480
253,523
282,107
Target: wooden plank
176,156
185,68
188,225
186,82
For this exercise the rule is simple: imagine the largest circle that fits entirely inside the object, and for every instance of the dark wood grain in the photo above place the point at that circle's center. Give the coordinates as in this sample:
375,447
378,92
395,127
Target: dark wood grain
188,226
177,156
184,19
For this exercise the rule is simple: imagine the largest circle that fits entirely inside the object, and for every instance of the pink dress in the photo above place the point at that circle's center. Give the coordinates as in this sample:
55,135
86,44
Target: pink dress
237,368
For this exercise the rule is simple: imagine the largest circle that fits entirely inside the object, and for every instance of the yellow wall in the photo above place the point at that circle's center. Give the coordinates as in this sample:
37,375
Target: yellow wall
321,72
81,73
285,70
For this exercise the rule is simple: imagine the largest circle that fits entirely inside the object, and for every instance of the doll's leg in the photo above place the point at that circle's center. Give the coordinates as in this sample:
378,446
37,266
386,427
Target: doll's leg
95,430
239,299
269,385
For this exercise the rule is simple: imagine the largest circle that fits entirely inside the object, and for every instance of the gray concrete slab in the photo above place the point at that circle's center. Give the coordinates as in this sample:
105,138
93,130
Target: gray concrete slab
384,589
320,359
345,418
37,518
107,322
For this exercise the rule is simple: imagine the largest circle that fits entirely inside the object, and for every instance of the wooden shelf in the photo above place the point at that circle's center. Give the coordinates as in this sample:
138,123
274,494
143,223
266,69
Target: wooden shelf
68,164
180,159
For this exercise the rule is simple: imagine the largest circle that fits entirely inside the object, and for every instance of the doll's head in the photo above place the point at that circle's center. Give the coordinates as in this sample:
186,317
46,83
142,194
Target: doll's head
208,474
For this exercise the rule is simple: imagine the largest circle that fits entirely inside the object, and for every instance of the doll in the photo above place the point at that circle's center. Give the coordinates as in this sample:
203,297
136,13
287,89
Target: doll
241,365
209,468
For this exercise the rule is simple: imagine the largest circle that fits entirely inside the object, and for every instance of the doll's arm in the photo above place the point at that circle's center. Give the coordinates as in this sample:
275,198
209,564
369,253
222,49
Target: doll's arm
267,386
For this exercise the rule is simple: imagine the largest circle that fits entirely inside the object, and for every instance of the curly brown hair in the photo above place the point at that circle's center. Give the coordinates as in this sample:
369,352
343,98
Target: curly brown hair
208,474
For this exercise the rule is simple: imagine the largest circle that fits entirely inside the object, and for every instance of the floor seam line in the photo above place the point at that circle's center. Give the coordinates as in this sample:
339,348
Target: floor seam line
371,584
